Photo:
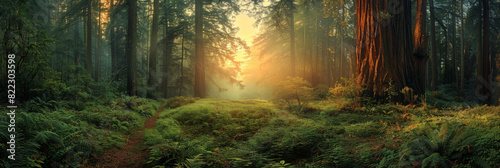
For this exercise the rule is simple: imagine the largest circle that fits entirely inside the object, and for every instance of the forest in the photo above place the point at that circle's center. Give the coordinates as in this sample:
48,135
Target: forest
249,83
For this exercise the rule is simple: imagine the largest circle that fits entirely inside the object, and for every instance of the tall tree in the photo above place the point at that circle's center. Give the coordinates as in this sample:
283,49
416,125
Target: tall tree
132,48
88,60
199,81
462,50
112,41
292,37
434,60
98,51
384,46
480,79
453,38
152,81
486,89
420,50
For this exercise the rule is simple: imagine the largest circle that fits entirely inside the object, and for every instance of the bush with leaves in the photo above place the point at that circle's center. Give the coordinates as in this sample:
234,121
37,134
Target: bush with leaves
447,146
294,93
185,153
348,88
178,101
321,91
487,147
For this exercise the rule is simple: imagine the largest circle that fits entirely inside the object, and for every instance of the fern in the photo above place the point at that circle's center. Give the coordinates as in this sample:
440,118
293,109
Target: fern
449,143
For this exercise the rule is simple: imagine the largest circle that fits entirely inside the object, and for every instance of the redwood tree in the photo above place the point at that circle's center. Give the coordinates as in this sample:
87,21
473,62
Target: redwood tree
88,60
199,79
420,51
384,46
152,81
434,60
131,48
486,88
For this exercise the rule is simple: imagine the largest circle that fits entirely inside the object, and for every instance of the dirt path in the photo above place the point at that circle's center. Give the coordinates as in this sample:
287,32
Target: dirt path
132,153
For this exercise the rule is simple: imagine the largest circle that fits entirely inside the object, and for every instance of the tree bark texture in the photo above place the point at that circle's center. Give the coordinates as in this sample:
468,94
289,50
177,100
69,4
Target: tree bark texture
384,46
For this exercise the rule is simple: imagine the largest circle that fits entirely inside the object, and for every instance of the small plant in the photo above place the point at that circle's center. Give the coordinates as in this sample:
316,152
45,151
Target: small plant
294,93
409,96
178,101
390,92
281,164
321,91
348,88
446,146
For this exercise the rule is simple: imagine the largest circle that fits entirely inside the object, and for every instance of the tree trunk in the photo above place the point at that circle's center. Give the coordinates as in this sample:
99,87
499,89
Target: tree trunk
168,50
98,51
199,81
181,85
420,52
88,60
486,52
434,60
304,56
480,54
292,39
316,55
342,43
384,46
112,41
152,81
76,36
131,48
462,50
454,46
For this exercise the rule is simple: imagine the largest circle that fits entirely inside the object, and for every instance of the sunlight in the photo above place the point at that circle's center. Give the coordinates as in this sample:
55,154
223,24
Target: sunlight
246,32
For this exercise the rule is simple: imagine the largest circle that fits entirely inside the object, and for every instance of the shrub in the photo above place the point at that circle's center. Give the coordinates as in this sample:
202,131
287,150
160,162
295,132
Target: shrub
487,147
294,91
297,141
152,137
409,95
451,143
321,91
178,101
176,154
348,88
168,128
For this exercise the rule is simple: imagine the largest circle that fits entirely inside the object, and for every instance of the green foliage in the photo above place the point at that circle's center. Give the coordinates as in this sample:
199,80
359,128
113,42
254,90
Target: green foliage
487,147
364,130
176,154
409,96
347,88
451,143
168,128
389,159
390,92
294,93
152,137
178,101
321,92
298,140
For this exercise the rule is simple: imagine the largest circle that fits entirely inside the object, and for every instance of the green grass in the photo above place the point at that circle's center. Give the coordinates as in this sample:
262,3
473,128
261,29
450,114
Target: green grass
339,133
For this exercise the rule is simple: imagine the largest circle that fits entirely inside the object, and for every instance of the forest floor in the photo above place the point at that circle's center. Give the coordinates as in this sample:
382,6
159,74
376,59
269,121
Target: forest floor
212,132
133,153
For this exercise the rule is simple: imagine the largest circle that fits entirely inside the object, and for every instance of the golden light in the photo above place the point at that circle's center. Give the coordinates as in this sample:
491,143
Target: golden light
246,32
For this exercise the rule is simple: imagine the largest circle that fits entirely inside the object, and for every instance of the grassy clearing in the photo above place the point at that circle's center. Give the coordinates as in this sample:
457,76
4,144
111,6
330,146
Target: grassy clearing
340,133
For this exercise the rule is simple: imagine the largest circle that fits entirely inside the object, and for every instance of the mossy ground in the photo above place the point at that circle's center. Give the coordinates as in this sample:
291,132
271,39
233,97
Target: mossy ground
340,132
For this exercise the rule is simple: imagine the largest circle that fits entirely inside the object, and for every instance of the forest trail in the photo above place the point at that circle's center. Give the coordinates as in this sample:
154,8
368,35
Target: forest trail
132,153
